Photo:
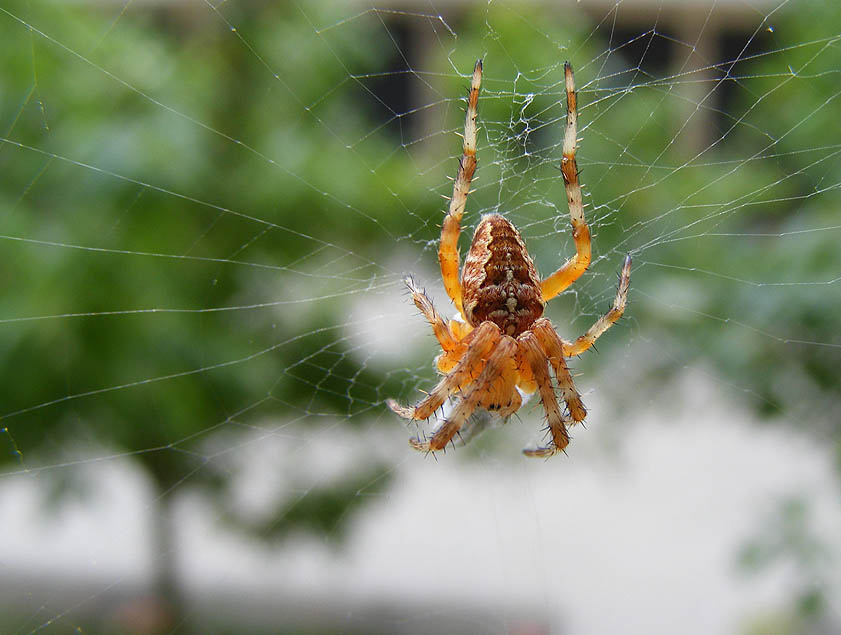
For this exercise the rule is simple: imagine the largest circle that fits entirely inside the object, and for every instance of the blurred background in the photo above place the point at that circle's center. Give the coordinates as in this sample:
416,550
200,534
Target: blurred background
206,210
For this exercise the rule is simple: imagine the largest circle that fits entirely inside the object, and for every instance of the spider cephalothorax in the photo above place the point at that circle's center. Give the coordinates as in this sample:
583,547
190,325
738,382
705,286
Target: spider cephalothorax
503,346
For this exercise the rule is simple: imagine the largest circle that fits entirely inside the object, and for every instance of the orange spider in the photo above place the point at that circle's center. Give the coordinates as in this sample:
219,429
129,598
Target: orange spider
504,347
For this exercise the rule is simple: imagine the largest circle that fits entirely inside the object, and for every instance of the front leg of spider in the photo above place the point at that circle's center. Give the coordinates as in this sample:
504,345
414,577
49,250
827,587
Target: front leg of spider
504,347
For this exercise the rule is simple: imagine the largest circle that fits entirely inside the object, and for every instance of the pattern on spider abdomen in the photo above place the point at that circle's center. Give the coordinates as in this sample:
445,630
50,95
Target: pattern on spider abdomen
499,281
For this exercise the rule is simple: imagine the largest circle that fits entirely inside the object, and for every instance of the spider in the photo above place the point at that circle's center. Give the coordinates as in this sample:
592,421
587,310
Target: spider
502,347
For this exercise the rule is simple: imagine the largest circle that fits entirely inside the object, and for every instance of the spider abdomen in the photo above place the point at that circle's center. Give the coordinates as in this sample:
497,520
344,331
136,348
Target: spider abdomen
499,281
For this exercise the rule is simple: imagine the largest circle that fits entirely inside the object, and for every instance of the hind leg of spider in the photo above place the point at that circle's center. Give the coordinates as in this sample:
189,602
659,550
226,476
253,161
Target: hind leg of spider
535,357
552,345
500,362
608,319
479,342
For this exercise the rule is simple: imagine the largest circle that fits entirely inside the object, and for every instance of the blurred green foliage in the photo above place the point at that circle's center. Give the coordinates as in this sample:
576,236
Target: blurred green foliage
150,183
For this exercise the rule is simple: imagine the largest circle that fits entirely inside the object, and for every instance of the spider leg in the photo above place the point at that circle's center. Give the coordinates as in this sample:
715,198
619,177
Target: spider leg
449,334
505,351
480,342
448,249
501,400
516,401
530,349
572,269
445,337
552,345
500,397
607,320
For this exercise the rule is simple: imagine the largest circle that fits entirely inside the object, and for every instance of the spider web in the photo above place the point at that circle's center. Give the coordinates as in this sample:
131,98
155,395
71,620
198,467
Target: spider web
206,212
